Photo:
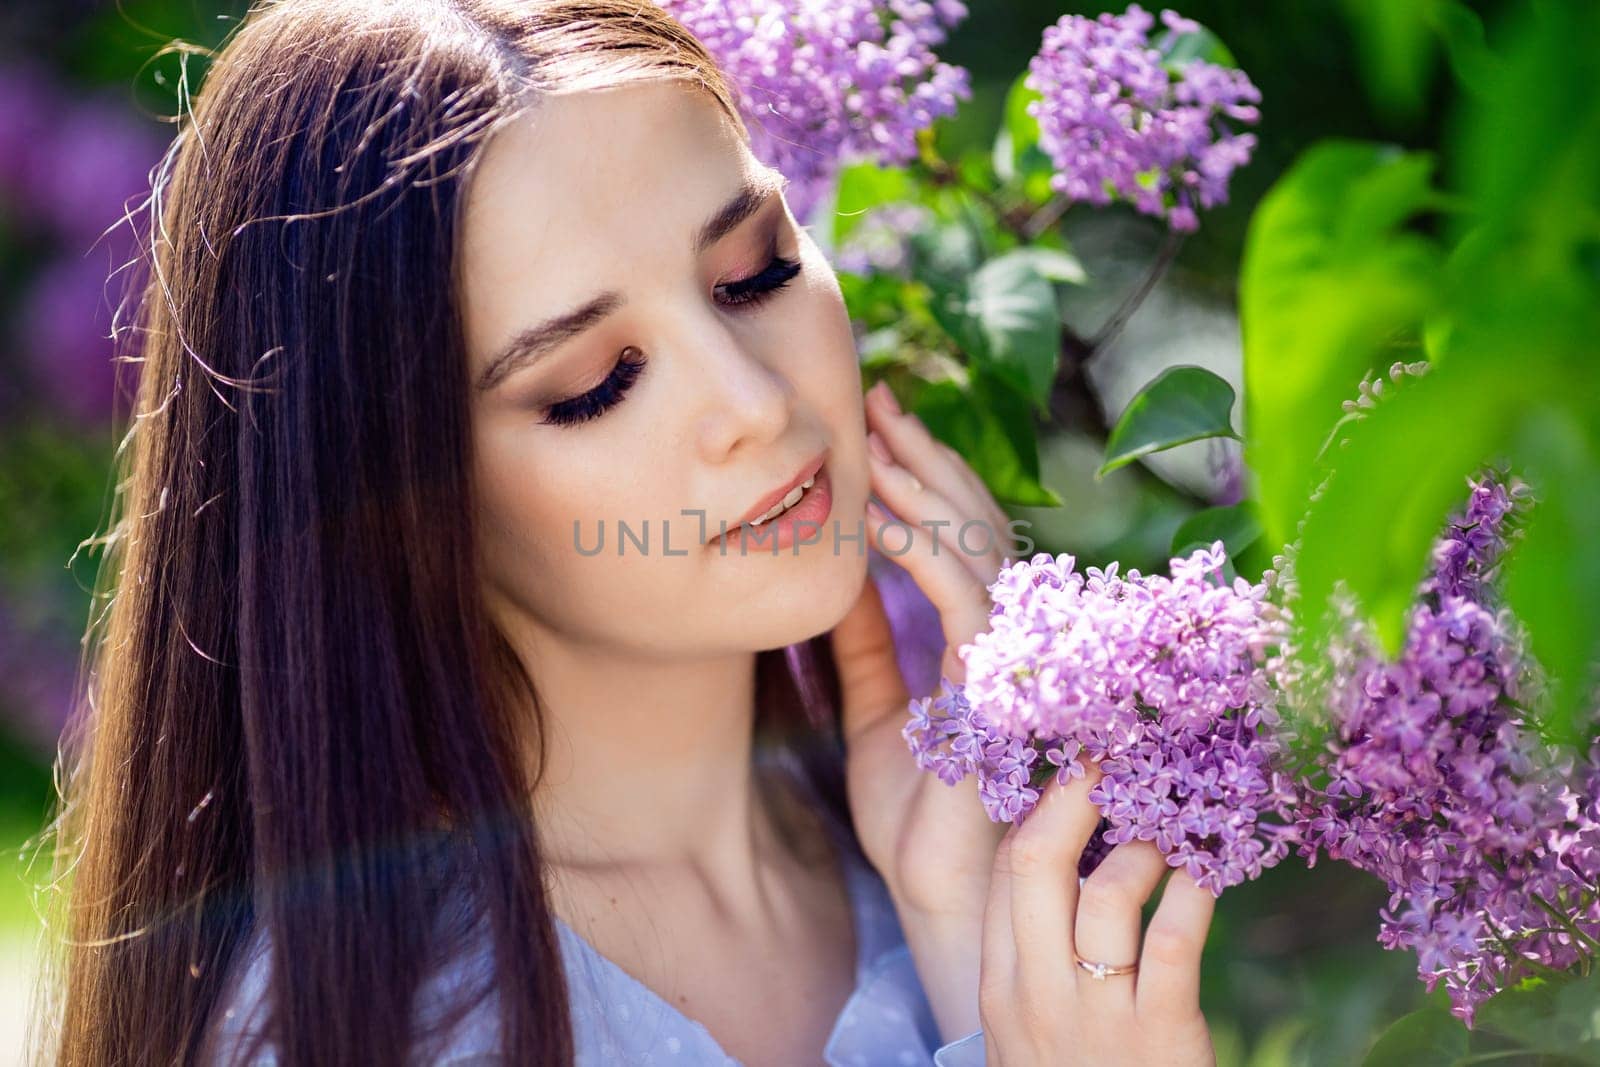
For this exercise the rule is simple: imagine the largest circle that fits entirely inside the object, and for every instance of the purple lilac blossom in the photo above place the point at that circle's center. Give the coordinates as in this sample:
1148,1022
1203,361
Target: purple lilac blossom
1117,124
1436,780
64,331
1160,680
29,101
69,168
823,85
85,175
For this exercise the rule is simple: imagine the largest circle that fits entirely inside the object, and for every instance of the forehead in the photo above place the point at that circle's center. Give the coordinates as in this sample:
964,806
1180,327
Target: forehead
579,180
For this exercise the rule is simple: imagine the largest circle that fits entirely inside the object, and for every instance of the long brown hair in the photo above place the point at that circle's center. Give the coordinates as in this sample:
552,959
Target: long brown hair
291,692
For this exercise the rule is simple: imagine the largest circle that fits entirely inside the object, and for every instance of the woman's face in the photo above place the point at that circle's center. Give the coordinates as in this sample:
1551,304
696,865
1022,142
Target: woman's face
694,356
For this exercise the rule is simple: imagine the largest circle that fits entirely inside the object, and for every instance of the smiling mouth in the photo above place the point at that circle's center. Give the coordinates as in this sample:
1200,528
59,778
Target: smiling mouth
778,503
786,503
809,501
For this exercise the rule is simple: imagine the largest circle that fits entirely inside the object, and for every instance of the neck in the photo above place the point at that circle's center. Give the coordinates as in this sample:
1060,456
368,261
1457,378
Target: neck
648,765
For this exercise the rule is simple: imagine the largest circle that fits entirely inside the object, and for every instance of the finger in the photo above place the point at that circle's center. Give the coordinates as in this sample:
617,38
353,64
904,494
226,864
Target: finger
997,960
928,508
961,599
935,463
863,643
985,500
1110,917
911,443
1169,969
1041,866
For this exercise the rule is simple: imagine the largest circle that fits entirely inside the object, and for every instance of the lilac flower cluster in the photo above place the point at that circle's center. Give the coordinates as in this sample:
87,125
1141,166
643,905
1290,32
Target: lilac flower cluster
1436,780
1160,680
1117,124
821,85
69,166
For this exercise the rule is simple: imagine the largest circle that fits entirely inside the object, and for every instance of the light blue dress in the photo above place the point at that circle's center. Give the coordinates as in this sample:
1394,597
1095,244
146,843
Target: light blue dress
617,1020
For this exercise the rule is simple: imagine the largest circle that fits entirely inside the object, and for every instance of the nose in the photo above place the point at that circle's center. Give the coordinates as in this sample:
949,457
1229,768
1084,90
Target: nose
742,399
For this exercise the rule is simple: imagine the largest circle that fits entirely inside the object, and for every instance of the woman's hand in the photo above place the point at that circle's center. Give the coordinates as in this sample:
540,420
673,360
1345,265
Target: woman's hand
932,843
1036,1003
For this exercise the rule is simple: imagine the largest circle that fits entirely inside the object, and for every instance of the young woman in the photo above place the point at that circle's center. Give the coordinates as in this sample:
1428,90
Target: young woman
382,761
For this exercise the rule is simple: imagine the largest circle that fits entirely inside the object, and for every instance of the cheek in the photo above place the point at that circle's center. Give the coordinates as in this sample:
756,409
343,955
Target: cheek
828,375
542,514
829,372
527,501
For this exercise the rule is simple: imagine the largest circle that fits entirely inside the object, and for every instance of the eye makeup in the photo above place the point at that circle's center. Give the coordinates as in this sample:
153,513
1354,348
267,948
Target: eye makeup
744,293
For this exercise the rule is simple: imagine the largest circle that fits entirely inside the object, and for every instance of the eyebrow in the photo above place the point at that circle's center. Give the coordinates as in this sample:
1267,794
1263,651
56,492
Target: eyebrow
533,342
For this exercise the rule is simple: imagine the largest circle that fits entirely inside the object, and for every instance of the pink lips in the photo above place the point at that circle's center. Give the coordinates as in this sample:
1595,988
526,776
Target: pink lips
774,498
805,519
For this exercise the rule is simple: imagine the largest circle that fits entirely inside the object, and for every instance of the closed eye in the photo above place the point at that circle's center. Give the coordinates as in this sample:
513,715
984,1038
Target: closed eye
774,276
608,394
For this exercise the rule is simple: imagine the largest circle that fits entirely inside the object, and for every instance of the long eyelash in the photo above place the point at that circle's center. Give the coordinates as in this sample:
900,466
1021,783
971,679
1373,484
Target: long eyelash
777,274
597,401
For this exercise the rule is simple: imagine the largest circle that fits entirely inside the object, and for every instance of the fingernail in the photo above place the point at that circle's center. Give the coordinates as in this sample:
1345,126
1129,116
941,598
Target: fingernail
879,449
889,400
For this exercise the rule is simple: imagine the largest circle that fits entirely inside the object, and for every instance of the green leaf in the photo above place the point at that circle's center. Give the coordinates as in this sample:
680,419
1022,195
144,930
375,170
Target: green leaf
1555,557
1329,280
1578,1014
993,429
1528,153
1180,405
1277,1045
944,257
1019,321
1430,1037
976,170
1006,317
1177,50
1054,264
1522,1013
1402,469
1017,157
1397,51
1235,525
875,300
1460,30
1559,1017
862,187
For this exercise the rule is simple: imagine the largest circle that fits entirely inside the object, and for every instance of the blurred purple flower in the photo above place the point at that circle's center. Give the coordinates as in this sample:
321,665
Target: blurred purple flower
69,168
63,332
1117,125
913,620
822,85
68,165
95,158
29,102
36,680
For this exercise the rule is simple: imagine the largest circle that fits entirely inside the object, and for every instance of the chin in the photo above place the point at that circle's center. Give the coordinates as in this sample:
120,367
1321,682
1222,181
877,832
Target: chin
811,601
